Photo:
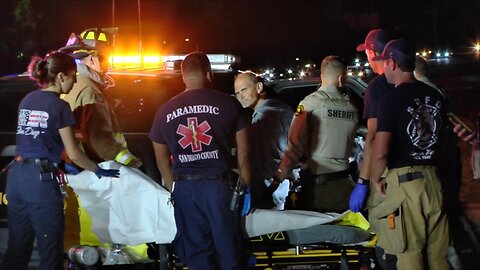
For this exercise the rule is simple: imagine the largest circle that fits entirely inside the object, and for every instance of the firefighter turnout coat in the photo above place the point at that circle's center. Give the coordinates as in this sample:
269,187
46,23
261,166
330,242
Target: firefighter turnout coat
97,126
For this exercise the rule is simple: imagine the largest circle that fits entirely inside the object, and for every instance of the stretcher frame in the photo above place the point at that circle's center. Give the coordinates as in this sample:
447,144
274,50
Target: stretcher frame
277,253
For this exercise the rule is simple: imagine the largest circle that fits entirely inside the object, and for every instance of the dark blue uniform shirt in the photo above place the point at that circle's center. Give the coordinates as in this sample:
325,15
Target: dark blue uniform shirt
374,94
198,126
41,114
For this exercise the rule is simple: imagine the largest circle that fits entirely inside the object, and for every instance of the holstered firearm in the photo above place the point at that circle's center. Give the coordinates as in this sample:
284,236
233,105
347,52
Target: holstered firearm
237,193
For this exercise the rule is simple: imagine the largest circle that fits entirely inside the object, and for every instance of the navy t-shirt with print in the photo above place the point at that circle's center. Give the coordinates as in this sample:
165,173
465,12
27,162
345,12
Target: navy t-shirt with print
199,127
40,115
415,115
376,90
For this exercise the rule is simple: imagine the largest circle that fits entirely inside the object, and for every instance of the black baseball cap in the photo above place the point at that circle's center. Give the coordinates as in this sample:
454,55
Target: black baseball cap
400,51
375,40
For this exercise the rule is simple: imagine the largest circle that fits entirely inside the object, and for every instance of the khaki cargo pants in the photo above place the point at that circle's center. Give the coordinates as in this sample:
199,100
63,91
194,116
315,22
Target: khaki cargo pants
410,223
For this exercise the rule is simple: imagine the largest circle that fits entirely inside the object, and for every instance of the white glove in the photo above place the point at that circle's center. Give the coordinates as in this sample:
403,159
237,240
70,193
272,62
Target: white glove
281,194
295,174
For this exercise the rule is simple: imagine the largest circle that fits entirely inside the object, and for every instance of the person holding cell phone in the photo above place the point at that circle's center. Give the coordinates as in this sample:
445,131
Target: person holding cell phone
467,134
463,131
448,164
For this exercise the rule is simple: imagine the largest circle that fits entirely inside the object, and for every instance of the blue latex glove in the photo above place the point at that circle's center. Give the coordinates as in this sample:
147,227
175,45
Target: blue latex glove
358,196
247,200
71,169
107,173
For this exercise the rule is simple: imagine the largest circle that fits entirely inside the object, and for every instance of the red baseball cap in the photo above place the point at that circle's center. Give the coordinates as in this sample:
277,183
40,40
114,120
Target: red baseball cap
375,40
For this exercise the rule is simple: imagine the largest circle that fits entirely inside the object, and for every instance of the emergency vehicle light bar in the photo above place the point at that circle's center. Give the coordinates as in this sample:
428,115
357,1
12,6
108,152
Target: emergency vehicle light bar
214,58
134,60
217,61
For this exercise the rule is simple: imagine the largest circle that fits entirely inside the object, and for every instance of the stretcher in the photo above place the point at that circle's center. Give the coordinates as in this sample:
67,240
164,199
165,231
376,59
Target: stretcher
274,251
292,249
134,210
309,240
293,239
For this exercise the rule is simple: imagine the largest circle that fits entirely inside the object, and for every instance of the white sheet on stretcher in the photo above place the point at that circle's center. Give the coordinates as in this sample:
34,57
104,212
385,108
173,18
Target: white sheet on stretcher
263,221
134,209
131,210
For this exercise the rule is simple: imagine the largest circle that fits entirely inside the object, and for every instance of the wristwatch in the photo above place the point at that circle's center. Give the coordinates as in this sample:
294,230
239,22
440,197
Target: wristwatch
362,181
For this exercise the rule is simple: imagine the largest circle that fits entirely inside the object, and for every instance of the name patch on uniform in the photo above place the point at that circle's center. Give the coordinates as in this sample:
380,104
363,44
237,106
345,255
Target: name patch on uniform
342,114
192,109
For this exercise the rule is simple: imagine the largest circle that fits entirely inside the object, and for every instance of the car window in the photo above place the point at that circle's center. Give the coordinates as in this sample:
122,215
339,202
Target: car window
139,97
12,91
293,95
292,92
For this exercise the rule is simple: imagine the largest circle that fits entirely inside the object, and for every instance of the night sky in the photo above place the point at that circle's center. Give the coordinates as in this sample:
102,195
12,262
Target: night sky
261,32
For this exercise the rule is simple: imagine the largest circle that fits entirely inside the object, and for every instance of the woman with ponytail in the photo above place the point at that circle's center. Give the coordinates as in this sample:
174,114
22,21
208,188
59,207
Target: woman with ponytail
44,130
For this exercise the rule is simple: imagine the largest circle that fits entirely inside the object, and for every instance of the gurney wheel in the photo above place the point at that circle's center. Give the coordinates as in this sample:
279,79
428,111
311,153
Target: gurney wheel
163,256
160,253
344,261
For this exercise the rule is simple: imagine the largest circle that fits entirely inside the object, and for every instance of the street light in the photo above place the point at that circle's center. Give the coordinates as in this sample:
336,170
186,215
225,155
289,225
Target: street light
477,47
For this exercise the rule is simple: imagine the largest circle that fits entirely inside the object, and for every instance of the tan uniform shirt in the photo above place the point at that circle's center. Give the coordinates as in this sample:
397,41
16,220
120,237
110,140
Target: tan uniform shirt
323,131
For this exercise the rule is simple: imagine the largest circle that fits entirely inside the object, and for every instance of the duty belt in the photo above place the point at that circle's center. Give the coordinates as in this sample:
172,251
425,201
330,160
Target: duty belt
180,177
322,178
36,161
410,177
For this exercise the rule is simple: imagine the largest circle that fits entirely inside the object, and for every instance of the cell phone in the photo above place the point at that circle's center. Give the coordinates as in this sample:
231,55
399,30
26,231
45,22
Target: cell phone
459,121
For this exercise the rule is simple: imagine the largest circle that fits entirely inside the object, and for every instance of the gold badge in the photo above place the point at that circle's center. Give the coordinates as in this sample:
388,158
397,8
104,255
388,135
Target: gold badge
299,110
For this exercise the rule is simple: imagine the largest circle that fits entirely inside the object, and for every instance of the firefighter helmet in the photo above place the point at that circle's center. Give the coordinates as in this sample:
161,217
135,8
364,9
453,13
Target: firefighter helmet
90,41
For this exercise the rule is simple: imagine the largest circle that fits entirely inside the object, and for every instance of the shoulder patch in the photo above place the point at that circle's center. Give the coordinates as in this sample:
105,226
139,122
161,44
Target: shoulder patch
300,110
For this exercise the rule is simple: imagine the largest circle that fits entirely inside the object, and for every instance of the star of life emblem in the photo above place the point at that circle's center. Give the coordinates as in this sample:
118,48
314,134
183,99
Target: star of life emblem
194,135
